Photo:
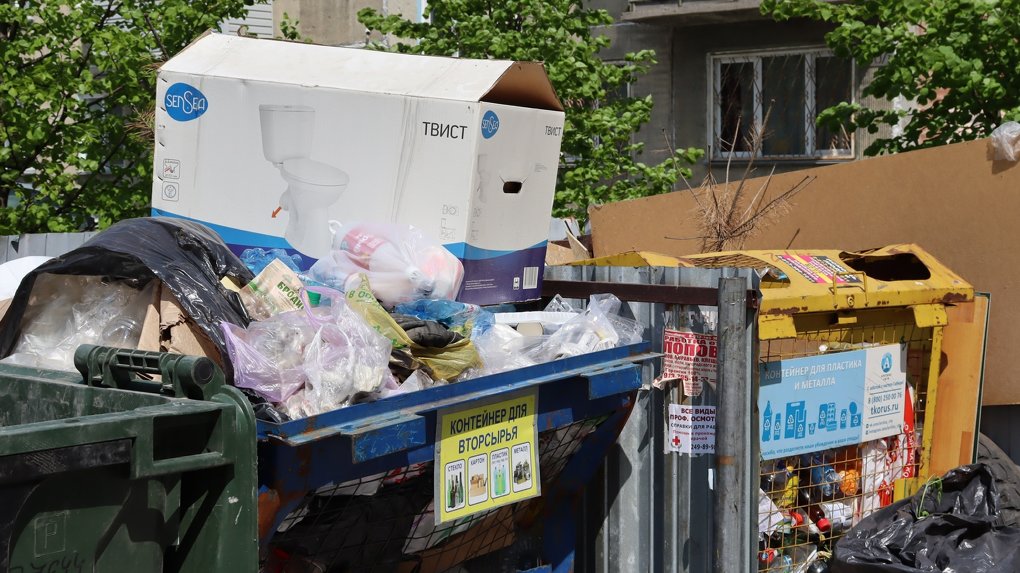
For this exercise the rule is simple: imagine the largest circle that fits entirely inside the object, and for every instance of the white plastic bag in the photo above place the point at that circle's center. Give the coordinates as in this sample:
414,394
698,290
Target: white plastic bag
402,264
770,517
881,466
1006,141
599,327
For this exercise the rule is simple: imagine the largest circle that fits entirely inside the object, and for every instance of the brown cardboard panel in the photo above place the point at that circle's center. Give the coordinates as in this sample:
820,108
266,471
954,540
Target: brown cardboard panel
4,305
558,255
149,339
179,334
953,201
956,401
525,84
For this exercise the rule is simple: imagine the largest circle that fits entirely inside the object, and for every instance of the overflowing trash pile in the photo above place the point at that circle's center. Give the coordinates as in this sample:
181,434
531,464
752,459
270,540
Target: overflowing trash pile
376,318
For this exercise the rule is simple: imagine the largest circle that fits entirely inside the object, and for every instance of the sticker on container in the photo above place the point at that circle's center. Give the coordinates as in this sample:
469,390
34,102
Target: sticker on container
486,457
690,358
831,400
819,269
691,429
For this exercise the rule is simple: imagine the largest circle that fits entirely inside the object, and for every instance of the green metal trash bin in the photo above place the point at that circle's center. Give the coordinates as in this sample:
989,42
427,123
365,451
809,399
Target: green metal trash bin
114,470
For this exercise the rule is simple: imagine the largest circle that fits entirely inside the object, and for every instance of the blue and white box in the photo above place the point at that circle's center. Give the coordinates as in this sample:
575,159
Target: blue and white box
266,141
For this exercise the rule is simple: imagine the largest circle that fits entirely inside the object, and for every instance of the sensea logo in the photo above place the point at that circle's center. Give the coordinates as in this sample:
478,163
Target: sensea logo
490,124
184,102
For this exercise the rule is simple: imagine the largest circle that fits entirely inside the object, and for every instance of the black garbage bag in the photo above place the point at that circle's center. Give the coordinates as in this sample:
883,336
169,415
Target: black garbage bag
952,524
187,257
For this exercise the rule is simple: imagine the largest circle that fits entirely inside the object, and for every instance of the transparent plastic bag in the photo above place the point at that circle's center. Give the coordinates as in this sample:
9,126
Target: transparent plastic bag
558,304
1006,141
189,260
347,357
599,327
502,348
312,360
268,356
402,264
65,312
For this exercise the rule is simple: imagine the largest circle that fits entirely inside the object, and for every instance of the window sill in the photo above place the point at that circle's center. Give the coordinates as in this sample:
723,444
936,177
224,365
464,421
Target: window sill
812,161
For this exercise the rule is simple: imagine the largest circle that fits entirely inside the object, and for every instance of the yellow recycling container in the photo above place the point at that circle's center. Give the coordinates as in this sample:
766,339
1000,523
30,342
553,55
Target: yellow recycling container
825,312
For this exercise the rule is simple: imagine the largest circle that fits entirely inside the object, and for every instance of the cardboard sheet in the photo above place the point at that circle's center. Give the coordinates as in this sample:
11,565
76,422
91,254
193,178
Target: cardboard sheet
954,201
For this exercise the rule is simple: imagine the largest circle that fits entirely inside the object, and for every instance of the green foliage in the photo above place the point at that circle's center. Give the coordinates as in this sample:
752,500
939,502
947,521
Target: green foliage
289,30
77,81
599,154
958,60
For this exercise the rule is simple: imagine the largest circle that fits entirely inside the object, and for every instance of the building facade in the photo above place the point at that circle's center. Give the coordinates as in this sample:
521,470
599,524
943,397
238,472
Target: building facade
724,72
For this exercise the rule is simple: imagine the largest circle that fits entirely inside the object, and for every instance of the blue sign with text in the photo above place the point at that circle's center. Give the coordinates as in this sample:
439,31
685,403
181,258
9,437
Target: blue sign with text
831,400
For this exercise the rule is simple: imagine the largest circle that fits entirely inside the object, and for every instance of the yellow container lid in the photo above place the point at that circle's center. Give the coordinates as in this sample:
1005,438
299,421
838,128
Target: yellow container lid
824,280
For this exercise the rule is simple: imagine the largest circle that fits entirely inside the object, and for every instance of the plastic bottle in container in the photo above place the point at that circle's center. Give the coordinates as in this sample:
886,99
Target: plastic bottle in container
849,483
822,476
814,511
780,481
797,558
840,515
122,332
769,547
818,566
766,557
773,477
789,497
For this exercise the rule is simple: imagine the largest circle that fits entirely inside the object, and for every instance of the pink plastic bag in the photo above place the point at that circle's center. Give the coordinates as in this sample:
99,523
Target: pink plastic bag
268,356
312,360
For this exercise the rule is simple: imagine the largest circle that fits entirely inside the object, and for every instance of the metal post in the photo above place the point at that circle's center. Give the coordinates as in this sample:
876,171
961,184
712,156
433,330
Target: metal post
733,423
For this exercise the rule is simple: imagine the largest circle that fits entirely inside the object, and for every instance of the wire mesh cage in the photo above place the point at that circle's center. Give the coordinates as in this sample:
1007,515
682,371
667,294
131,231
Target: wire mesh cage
808,501
386,522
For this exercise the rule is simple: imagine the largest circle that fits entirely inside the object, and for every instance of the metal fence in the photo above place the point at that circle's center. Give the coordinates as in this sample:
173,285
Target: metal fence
648,510
41,244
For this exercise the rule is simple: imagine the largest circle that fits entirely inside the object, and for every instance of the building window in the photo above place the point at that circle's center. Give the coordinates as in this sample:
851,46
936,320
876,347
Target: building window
789,88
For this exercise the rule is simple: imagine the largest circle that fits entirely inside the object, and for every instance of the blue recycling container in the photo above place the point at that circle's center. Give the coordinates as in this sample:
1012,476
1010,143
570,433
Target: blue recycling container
351,489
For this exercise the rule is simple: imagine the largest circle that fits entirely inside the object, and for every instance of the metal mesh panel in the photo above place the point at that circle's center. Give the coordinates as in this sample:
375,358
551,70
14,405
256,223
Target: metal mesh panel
821,494
386,523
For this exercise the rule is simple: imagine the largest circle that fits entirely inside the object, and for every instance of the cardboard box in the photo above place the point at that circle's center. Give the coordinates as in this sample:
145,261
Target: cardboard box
955,201
266,141
168,328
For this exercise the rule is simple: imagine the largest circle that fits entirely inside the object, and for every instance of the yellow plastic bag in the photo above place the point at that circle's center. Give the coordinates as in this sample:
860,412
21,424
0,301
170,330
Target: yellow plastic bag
446,363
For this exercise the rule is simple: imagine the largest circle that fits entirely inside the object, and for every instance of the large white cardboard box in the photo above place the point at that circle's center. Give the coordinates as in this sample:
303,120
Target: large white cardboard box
266,141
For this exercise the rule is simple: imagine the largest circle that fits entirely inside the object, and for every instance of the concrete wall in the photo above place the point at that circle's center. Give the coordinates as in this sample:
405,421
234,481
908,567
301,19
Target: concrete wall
658,82
679,83
335,22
